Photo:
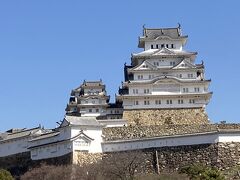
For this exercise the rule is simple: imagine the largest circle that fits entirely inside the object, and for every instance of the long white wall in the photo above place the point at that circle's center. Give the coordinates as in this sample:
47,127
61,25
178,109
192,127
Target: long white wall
51,150
169,141
14,146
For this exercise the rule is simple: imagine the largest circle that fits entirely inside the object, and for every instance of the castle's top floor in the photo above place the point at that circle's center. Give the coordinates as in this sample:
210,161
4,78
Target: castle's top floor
90,88
153,38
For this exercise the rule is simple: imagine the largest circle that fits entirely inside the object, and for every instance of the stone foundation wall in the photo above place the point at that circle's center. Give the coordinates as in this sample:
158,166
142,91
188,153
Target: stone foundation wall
82,158
228,155
170,159
166,116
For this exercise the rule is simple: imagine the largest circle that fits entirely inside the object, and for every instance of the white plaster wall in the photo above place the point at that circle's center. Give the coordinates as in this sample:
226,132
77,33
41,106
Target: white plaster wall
229,137
151,75
167,88
14,146
159,142
177,44
85,112
129,103
170,141
94,133
113,123
52,150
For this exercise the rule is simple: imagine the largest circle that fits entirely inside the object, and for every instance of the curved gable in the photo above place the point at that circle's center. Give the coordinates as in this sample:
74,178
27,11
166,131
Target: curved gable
184,65
146,65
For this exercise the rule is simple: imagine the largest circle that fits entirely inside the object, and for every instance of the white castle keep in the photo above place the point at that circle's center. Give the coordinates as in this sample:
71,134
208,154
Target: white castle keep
162,86
164,75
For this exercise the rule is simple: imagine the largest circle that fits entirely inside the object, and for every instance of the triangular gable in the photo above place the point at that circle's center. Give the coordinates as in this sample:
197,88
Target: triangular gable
82,135
163,51
146,65
184,65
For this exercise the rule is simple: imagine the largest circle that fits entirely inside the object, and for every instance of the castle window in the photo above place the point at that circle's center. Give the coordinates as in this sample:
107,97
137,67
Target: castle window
135,91
191,101
151,46
97,110
169,101
167,45
190,75
157,46
180,101
185,90
90,110
172,63
146,102
162,45
136,103
172,46
196,89
140,76
157,101
146,91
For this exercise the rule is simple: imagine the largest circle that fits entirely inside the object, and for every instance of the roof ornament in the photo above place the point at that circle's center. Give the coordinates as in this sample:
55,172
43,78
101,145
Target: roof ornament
202,62
179,25
144,30
162,31
179,29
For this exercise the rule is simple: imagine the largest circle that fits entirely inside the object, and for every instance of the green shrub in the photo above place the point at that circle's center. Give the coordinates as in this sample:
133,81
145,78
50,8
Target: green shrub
202,172
5,175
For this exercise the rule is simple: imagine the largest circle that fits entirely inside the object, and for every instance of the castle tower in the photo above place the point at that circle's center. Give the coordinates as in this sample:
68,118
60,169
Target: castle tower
163,85
89,99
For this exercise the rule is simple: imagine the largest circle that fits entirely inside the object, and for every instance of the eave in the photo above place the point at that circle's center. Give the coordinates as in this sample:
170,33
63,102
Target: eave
173,95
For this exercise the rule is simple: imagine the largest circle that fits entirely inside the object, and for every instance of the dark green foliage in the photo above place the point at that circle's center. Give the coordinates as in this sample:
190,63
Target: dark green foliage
202,172
5,175
232,173
172,176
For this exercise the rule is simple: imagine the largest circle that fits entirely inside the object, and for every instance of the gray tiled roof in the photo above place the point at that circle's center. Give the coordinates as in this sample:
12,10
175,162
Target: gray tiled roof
47,135
135,132
82,121
19,134
153,33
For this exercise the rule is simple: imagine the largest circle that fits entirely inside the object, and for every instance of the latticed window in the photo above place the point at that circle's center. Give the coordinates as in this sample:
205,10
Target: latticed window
157,101
180,101
146,102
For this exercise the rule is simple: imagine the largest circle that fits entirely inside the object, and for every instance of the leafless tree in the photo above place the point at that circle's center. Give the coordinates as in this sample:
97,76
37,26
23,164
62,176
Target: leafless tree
123,165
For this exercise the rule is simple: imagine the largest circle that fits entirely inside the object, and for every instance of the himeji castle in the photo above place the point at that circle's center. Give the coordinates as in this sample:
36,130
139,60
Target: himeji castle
159,111
163,84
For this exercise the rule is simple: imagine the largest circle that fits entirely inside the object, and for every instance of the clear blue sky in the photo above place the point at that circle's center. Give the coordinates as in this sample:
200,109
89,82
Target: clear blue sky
49,47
